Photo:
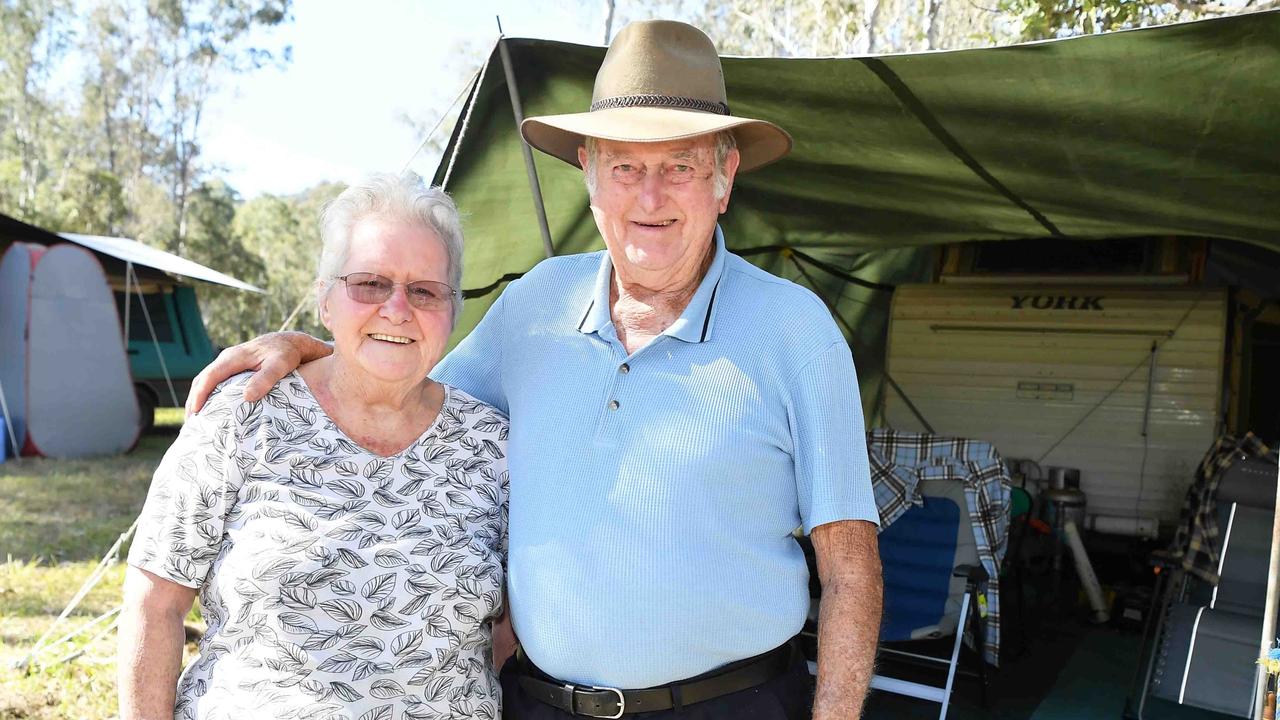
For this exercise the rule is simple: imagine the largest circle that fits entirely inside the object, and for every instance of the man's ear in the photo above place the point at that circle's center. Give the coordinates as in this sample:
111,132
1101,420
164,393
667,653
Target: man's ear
586,167
731,163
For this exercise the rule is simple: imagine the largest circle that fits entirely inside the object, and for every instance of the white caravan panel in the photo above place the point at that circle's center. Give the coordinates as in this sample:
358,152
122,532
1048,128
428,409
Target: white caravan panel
1061,375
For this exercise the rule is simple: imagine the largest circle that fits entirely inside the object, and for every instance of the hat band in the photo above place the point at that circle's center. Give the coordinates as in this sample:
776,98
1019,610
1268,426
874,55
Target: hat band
667,101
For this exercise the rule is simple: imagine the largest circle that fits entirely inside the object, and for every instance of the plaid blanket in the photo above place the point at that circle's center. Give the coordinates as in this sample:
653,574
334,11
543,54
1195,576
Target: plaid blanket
1195,542
901,460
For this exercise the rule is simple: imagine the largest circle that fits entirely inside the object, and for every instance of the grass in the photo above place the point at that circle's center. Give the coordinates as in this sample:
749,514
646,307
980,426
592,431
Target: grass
57,519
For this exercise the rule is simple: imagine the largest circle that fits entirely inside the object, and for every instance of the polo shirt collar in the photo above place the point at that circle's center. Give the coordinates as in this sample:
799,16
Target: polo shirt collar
693,325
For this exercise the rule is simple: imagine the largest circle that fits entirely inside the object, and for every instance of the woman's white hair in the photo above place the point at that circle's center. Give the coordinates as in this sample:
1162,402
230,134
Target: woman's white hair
405,198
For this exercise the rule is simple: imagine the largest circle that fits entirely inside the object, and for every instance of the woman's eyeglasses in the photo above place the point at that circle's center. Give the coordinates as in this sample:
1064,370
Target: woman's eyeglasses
373,289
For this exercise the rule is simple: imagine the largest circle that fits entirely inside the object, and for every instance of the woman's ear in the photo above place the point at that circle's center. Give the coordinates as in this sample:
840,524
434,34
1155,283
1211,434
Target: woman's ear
322,303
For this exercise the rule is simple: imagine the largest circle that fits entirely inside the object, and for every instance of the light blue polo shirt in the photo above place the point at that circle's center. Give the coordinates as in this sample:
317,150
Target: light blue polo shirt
653,495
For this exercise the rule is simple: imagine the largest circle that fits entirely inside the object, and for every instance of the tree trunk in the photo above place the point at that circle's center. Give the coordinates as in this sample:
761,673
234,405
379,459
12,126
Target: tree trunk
610,6
931,23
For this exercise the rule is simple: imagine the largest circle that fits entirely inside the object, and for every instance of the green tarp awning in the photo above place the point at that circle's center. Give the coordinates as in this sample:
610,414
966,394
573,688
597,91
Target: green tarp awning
1163,131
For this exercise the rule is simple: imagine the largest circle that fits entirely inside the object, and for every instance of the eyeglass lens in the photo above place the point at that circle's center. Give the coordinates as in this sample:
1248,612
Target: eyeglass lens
373,289
673,174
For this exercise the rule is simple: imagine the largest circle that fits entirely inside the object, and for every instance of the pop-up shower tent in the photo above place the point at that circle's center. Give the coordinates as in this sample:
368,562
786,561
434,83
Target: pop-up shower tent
63,370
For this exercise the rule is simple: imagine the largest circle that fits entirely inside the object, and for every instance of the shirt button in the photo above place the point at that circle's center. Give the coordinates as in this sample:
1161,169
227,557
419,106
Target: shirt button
614,404
624,369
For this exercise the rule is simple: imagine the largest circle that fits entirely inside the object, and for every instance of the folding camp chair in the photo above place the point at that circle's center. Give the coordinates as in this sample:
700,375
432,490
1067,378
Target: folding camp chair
932,580
1204,639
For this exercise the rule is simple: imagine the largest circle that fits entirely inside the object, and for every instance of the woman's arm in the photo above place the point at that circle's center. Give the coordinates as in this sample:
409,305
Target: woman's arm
150,646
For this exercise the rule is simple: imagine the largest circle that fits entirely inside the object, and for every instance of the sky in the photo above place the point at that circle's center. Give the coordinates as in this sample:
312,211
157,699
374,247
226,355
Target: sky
333,113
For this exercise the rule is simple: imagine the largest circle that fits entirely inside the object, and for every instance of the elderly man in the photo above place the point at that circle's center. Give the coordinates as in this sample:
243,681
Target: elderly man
675,413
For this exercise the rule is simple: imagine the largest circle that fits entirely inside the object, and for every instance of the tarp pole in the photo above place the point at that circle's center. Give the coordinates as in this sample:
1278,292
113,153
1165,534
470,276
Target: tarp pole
1269,610
128,296
288,322
532,171
155,342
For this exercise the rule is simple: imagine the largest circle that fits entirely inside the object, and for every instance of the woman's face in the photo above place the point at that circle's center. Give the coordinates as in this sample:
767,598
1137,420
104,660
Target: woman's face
391,341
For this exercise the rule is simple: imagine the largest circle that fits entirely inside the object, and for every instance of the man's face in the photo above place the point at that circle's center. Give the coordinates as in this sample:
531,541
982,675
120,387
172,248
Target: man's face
656,206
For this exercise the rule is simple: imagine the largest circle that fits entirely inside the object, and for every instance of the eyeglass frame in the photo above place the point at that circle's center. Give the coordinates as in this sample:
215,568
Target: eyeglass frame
454,294
663,173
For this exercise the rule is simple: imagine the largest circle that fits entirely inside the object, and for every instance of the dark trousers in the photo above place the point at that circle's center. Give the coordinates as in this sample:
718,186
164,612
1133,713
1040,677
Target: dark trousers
786,697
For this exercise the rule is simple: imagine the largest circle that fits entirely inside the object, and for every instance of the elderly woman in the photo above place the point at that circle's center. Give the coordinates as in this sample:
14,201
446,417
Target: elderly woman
347,533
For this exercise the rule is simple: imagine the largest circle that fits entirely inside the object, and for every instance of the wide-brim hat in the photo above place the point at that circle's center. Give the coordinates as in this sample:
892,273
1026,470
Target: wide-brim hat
660,80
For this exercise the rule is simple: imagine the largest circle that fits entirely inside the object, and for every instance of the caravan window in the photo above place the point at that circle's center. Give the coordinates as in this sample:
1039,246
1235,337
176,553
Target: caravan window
157,307
1039,256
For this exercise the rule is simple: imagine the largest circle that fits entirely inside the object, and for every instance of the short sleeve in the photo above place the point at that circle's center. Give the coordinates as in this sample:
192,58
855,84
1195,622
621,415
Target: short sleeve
475,365
833,476
180,529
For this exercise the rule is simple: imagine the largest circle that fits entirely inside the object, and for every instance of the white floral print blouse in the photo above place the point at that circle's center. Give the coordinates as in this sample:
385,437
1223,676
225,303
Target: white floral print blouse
336,583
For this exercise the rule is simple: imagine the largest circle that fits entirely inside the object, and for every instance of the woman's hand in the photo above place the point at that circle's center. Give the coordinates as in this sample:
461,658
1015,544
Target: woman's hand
150,646
273,356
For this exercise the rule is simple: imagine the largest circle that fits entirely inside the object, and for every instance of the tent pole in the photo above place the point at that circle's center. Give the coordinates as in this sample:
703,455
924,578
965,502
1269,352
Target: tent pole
1269,610
532,171
8,423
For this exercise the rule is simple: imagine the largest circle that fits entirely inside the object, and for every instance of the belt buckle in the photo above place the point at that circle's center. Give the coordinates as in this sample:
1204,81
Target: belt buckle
622,702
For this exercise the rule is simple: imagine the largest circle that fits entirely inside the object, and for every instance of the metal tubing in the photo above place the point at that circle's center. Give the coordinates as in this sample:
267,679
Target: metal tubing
1084,569
532,171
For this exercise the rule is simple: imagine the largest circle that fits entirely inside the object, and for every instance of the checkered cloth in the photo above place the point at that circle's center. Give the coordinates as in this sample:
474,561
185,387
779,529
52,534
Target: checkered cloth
1196,541
901,460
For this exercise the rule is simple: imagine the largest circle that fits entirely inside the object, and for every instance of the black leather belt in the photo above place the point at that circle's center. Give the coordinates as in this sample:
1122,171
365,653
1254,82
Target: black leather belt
607,702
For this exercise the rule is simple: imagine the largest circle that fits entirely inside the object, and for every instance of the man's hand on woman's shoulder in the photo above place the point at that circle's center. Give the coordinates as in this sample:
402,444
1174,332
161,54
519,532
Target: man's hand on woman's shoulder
270,356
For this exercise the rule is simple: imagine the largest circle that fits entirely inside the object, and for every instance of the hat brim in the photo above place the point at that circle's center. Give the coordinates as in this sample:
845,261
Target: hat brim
759,142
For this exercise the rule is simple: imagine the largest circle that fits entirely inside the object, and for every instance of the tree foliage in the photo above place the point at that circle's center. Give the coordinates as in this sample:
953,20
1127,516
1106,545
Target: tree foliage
87,150
817,28
1042,19
809,28
284,233
101,110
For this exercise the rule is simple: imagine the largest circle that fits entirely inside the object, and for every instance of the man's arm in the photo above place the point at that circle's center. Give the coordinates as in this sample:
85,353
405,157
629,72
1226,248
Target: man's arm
150,644
273,356
849,620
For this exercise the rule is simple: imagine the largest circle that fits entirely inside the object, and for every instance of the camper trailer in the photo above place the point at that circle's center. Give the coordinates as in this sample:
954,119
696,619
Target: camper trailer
1102,371
1121,360
163,365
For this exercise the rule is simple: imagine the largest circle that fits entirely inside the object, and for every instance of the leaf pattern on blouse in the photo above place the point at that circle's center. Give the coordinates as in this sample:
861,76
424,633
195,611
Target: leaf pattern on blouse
337,584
